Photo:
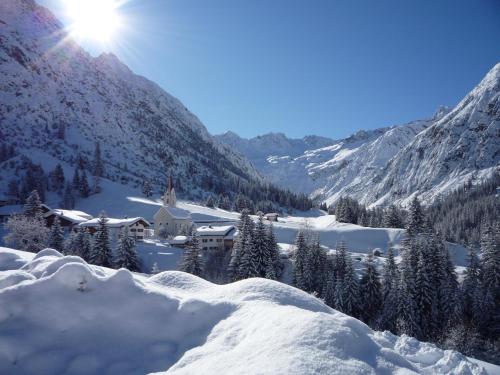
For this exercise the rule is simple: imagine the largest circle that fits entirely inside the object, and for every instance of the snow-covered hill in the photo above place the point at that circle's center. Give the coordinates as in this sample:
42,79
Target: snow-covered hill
56,100
58,315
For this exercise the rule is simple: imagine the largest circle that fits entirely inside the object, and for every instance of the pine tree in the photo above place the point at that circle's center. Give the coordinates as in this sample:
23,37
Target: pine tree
33,206
126,256
425,297
391,218
84,186
275,267
390,277
98,165
416,219
329,287
238,265
101,251
407,320
147,189
68,200
76,180
210,202
371,293
350,290
470,285
57,179
260,254
56,237
301,250
191,261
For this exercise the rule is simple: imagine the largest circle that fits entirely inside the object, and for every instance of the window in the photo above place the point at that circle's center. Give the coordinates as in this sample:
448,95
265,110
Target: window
133,230
140,230
211,240
205,248
219,239
204,240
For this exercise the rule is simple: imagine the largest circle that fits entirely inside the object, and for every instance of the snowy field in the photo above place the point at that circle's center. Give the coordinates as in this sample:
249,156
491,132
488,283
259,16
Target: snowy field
59,315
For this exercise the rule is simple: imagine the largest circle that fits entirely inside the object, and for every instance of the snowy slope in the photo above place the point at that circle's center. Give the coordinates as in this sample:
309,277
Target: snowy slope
58,315
48,82
464,145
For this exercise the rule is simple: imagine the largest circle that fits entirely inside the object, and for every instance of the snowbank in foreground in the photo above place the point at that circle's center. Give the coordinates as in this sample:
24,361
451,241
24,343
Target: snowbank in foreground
60,315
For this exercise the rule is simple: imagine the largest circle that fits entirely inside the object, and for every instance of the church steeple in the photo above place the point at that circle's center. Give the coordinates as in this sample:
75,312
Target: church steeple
169,198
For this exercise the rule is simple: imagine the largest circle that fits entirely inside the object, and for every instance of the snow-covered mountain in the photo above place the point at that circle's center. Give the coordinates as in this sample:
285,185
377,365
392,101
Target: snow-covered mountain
56,101
426,157
58,315
463,145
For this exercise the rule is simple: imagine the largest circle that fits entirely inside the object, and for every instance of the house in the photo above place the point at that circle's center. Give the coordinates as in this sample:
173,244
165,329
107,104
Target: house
7,211
137,226
271,216
179,241
67,218
170,220
7,200
216,237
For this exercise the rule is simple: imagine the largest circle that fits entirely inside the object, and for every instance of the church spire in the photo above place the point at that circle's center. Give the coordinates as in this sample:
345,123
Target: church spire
169,198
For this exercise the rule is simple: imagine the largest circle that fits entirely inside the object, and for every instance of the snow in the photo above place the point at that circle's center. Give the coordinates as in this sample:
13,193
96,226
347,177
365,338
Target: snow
59,315
113,222
214,230
74,216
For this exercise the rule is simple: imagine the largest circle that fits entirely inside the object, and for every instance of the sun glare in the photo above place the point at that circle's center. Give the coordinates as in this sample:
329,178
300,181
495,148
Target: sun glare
93,19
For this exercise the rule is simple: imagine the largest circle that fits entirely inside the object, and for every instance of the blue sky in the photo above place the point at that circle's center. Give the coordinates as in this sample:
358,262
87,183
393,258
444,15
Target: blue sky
302,67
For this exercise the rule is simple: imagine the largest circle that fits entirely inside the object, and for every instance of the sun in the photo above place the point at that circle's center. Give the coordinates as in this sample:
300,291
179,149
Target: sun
93,19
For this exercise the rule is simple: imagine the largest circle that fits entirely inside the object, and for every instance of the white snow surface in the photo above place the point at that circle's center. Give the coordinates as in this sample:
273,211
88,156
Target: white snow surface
59,315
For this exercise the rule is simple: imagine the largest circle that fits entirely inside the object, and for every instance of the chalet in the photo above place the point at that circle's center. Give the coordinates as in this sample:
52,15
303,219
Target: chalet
137,226
179,241
271,216
170,220
216,237
68,218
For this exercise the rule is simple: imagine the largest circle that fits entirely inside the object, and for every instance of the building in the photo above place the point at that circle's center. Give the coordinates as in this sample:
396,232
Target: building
170,220
271,216
68,218
216,237
137,226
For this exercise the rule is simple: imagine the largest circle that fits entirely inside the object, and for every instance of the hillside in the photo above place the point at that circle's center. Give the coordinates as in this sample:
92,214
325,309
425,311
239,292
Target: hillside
57,101
192,326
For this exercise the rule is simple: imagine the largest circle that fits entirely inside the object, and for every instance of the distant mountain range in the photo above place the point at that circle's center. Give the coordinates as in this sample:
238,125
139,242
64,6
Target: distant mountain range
428,157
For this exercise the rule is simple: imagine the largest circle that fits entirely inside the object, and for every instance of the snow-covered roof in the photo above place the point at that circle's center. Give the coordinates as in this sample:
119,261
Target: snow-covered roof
178,240
71,215
114,223
177,213
11,209
209,230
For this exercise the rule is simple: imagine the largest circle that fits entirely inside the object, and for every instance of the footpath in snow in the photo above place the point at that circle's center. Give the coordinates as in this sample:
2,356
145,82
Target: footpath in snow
59,315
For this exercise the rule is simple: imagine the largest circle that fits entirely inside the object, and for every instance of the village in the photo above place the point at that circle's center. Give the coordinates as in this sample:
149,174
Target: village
170,225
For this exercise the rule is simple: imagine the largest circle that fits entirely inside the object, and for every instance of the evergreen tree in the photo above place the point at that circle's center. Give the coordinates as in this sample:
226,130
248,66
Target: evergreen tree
329,286
84,186
57,179
33,206
191,261
416,219
392,218
407,319
56,237
390,278
27,233
260,255
126,256
371,293
76,180
350,290
98,165
68,199
210,202
299,270
470,285
101,250
147,189
238,265
425,297
275,267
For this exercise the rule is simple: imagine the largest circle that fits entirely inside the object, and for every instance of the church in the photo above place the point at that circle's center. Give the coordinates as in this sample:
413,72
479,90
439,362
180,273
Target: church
170,220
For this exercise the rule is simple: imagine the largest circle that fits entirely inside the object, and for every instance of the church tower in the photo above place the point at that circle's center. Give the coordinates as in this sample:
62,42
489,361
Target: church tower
169,198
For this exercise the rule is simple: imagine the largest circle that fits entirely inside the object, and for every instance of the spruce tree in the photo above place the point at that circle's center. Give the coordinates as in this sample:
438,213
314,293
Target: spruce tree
101,250
274,267
350,290
260,255
191,261
470,285
33,206
238,265
147,189
98,165
84,186
390,277
155,269
416,219
126,256
56,237
76,180
68,200
299,270
371,293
